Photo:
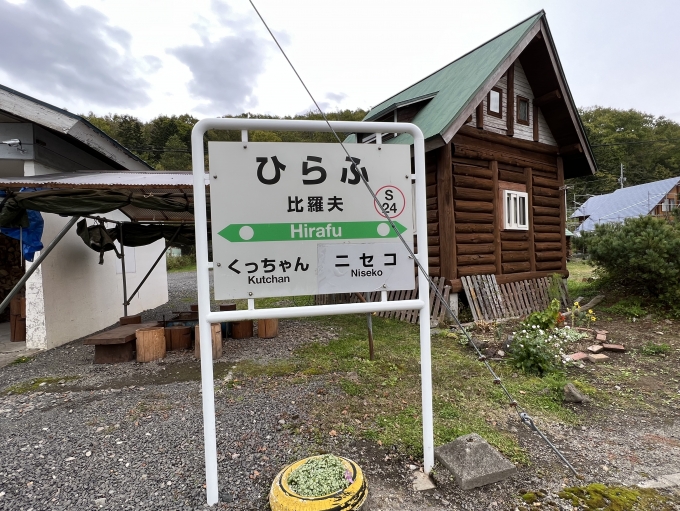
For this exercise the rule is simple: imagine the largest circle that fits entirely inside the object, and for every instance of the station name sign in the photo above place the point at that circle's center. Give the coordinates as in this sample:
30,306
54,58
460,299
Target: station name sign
295,219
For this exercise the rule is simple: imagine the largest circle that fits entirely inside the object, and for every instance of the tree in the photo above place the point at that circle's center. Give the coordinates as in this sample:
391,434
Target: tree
176,155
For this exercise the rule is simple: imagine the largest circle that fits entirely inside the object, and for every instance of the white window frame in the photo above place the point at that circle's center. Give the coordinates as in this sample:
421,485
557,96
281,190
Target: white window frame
512,214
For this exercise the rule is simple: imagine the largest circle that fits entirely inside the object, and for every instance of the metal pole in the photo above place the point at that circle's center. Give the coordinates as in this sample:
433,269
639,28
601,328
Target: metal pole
122,262
36,263
153,266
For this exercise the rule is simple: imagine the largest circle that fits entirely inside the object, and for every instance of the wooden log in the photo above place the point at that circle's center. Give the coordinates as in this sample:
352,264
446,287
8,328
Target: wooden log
546,183
473,207
547,228
242,329
516,267
433,229
431,203
473,218
474,171
514,257
547,220
563,211
464,260
22,307
546,192
150,344
433,261
130,320
460,192
431,191
433,215
516,143
512,177
543,211
472,182
549,265
431,240
480,269
571,149
447,220
550,202
267,328
479,115
515,245
177,338
497,207
514,236
548,246
547,236
475,238
549,97
473,228
477,248
226,326
536,136
216,338
435,271
430,178
529,175
501,156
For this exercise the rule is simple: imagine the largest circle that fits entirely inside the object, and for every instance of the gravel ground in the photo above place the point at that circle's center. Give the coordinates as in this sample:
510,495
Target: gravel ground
129,436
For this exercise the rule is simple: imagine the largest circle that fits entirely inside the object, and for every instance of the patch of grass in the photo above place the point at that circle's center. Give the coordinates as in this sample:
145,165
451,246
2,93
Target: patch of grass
582,281
181,263
654,349
632,308
22,360
598,496
36,383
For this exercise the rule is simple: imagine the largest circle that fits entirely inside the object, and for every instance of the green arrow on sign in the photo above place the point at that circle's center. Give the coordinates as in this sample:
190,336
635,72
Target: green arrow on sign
237,233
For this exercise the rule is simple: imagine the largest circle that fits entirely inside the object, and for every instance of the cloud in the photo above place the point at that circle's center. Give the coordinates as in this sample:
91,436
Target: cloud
225,70
70,53
336,97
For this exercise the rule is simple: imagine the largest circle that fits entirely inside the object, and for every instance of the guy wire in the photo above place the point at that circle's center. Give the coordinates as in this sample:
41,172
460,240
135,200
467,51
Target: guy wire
523,415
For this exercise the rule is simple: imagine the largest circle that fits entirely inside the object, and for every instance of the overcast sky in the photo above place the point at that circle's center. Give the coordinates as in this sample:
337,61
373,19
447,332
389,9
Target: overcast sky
214,57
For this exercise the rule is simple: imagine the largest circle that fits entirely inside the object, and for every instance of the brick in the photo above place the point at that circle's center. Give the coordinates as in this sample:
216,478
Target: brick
595,348
601,337
603,332
596,359
577,356
618,348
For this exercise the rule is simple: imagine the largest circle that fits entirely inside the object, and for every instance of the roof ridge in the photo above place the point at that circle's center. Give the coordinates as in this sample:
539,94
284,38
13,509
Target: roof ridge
540,13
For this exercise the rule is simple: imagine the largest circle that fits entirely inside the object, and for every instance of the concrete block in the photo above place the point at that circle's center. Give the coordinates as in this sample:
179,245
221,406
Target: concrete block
473,462
618,348
595,348
422,482
579,355
596,359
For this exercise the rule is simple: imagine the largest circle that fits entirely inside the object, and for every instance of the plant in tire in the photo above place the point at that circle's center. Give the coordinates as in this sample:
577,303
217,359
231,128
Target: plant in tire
320,476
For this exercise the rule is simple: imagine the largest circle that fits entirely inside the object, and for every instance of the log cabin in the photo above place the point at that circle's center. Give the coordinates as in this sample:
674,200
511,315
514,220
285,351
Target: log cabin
502,133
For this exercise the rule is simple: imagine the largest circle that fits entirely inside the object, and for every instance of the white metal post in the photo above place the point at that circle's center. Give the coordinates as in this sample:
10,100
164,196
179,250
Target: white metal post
206,317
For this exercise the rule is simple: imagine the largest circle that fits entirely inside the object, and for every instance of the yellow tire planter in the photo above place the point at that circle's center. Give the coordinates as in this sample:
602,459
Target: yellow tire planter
283,498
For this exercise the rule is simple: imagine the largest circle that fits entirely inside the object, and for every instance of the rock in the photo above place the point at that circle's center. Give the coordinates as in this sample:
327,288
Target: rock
618,348
595,348
573,395
413,467
100,502
422,482
596,359
500,353
473,462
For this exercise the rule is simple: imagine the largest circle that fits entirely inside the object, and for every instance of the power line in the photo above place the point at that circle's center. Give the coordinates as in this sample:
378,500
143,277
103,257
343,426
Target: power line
523,415
641,142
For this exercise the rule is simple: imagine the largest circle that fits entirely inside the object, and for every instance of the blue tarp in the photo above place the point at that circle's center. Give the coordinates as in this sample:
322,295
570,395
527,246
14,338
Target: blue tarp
31,235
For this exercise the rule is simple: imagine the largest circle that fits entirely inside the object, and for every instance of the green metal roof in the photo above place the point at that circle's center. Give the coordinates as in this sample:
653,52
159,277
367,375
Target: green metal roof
454,85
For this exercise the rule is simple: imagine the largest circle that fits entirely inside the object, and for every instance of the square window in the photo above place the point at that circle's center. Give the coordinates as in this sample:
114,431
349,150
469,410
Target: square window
516,210
522,110
494,102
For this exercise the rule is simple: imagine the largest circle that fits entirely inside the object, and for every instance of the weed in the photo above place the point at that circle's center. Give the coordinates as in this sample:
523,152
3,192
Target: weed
631,308
598,496
653,349
22,360
36,383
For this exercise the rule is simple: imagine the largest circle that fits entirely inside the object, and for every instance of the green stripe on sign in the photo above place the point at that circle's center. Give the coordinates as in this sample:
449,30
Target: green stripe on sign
309,231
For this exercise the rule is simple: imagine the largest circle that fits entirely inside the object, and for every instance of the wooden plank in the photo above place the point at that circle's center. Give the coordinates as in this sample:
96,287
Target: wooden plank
546,192
515,257
563,212
479,114
447,220
547,236
535,124
548,220
546,211
465,260
548,97
549,202
476,269
118,335
498,305
550,246
549,265
515,267
510,108
514,235
475,238
515,245
497,217
546,183
549,256
474,206
506,301
473,228
547,228
501,299
472,182
518,143
532,251
512,177
469,293
479,289
473,218
491,302
510,293
519,293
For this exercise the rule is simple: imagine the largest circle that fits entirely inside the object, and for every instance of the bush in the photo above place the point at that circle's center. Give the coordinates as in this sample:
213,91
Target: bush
180,262
538,351
641,255
547,319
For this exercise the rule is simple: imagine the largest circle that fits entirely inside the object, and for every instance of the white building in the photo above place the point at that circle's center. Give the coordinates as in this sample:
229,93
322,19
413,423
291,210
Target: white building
71,295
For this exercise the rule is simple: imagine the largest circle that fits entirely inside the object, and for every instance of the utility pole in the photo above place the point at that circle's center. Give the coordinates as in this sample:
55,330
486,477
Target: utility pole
622,179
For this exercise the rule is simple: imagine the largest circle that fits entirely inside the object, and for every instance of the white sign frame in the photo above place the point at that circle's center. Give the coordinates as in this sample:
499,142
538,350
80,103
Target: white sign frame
206,317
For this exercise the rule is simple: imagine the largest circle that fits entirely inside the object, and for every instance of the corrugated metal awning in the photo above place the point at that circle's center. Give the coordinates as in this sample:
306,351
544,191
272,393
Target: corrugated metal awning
150,182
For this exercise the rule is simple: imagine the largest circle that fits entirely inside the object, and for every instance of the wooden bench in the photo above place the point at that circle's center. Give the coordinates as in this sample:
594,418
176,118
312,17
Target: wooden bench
116,345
